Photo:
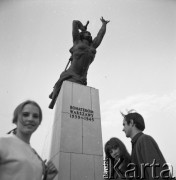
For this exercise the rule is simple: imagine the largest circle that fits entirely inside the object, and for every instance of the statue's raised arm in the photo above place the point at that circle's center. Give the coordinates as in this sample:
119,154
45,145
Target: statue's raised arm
76,26
97,40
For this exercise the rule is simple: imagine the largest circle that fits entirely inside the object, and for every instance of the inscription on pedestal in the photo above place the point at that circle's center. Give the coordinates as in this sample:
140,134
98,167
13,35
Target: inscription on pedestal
81,113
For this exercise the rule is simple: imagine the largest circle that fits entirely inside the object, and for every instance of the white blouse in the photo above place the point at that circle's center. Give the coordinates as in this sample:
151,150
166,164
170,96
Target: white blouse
18,161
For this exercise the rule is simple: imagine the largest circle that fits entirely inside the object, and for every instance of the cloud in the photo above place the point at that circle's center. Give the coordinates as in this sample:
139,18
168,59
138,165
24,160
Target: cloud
145,104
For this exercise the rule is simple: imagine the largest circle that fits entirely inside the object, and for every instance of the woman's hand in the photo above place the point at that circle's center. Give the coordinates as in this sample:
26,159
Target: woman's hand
51,170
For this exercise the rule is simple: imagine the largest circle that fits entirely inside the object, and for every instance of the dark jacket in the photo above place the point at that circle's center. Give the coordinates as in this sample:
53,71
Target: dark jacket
147,158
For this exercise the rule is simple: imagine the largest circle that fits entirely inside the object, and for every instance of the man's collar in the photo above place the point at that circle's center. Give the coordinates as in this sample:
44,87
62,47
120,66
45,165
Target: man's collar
135,138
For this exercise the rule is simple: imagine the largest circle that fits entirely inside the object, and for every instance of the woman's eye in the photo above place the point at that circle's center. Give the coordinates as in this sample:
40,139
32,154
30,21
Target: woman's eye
36,116
25,114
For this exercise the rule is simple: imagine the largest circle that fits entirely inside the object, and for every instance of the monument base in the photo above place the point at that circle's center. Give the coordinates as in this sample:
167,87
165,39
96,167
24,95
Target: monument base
76,147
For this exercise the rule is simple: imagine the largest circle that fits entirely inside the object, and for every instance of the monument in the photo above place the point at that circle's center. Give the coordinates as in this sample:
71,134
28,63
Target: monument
77,150
76,147
82,55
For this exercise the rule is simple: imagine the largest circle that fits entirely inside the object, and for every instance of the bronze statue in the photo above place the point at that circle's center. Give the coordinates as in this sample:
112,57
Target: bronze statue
82,54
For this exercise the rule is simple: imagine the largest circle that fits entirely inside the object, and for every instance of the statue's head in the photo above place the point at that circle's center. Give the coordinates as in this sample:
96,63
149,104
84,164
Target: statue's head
86,35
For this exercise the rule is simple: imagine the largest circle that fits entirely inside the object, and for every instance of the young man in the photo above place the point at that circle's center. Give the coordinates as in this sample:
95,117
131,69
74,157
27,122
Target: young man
147,161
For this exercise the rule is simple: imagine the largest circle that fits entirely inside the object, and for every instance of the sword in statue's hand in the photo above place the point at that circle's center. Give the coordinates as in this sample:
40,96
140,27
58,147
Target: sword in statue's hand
86,25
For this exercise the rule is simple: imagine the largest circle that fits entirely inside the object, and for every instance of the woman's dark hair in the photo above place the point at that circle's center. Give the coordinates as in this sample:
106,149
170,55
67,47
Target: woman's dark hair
115,143
137,119
20,107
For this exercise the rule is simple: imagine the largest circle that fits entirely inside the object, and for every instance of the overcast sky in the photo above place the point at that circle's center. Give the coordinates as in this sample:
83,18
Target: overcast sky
134,68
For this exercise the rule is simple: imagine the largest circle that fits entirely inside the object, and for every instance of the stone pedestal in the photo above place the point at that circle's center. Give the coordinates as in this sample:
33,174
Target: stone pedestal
76,147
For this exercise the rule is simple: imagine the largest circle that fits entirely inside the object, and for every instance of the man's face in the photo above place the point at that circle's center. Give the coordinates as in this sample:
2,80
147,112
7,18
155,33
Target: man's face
127,128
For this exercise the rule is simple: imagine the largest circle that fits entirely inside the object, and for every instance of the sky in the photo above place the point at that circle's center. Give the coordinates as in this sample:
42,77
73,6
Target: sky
134,68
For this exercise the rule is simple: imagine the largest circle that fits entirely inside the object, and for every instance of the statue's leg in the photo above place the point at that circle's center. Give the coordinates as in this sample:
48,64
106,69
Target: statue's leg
64,76
52,103
55,93
50,96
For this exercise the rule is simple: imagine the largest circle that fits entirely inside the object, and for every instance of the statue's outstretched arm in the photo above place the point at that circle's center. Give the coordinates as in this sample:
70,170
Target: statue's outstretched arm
76,25
97,40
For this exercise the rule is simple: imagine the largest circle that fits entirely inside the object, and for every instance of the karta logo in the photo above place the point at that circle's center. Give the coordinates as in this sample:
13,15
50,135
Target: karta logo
156,170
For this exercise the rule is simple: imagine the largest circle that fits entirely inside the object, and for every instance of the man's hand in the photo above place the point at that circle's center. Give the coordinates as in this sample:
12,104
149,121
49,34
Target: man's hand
104,21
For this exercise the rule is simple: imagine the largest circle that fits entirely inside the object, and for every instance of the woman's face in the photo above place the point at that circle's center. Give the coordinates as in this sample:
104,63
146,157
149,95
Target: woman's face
115,153
29,119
